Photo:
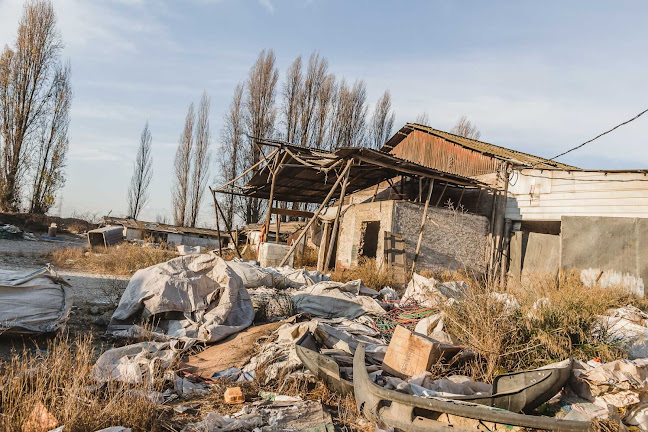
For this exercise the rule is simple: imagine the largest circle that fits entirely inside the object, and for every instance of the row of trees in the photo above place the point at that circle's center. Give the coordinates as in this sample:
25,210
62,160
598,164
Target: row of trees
35,98
314,109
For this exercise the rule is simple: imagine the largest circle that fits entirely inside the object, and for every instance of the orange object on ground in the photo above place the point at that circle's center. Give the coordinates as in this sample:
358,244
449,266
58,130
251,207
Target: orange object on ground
234,395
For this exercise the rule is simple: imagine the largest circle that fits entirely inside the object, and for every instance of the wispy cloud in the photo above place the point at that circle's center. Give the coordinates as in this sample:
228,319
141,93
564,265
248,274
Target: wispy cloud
268,5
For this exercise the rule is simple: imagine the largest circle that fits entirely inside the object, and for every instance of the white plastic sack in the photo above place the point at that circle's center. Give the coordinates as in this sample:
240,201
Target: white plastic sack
194,297
252,275
131,363
36,302
335,300
627,327
429,292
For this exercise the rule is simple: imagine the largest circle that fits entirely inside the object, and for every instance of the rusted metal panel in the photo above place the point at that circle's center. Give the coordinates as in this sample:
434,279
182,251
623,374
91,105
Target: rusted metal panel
435,152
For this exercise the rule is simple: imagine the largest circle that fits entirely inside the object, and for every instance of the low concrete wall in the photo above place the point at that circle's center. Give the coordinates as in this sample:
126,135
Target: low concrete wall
607,250
451,239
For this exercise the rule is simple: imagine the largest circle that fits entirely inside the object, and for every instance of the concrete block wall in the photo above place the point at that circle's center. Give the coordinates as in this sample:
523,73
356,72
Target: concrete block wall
451,239
349,238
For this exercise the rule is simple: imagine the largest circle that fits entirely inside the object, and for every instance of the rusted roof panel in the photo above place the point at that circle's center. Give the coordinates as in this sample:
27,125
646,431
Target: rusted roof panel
486,149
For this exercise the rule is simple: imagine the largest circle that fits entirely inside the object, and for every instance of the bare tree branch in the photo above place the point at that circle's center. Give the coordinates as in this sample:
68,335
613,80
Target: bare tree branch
466,129
231,152
27,73
382,121
181,168
260,117
52,146
142,175
201,158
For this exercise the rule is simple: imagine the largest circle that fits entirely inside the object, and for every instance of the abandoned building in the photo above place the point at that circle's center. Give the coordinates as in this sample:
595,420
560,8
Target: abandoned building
434,200
170,234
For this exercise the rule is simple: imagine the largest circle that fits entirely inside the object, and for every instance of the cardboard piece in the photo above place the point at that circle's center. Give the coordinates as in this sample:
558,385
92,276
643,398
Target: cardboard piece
412,354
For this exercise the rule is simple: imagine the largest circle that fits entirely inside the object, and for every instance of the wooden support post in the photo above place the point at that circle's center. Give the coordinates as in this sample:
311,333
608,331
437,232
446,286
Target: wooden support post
499,225
420,191
278,225
461,196
220,246
272,187
319,210
505,256
236,237
441,196
227,225
336,222
303,249
321,256
423,220
373,198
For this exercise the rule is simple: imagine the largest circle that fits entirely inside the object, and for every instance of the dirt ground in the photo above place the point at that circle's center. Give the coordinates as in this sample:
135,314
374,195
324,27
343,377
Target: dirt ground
95,296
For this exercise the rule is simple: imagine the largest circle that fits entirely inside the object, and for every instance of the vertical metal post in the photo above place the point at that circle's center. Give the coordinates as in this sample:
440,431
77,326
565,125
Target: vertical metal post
423,220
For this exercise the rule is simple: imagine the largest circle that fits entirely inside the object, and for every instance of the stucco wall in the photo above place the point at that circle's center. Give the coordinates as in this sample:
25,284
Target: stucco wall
607,250
451,240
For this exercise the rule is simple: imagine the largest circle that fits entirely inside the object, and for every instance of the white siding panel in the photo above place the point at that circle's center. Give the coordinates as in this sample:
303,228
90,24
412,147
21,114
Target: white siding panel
548,195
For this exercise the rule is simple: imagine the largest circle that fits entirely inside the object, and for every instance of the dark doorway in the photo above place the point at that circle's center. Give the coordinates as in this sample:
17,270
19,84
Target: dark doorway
369,239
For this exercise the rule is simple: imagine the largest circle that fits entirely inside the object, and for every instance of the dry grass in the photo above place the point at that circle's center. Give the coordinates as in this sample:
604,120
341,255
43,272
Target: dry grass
510,340
123,259
372,275
60,379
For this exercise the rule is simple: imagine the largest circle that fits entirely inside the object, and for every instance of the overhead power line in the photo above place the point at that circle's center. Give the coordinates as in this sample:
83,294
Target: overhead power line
600,135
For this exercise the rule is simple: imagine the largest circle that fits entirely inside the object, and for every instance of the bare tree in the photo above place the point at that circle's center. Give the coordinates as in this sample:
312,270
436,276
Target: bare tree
382,121
27,73
423,119
142,174
349,116
323,111
292,91
52,145
260,117
181,168
466,129
201,158
231,151
315,75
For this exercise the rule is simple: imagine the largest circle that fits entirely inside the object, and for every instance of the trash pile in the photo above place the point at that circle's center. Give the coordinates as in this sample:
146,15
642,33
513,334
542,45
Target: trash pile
12,232
358,341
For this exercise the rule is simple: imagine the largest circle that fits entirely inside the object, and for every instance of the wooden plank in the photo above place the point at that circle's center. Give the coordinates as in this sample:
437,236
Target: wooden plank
293,213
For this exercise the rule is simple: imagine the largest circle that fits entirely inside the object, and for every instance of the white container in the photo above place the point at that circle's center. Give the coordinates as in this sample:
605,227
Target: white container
271,254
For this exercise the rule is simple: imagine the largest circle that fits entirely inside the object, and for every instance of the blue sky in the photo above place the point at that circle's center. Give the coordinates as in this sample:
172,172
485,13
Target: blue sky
539,77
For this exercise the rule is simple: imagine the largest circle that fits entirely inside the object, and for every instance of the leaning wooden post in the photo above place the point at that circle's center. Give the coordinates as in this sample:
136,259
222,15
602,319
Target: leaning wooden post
272,187
441,196
336,223
227,225
423,220
319,210
220,247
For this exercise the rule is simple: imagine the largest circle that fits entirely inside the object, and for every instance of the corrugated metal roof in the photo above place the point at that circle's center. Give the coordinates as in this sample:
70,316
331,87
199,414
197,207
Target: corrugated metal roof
159,227
502,153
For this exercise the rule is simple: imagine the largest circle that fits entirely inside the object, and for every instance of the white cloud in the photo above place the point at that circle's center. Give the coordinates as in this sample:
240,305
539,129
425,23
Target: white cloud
268,5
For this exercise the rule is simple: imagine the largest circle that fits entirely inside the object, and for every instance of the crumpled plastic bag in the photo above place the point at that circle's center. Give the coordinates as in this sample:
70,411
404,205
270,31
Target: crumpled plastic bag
429,292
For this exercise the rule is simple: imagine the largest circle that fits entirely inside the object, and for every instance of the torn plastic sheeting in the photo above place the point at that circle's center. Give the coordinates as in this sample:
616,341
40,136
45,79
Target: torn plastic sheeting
626,326
199,297
619,383
269,417
252,275
295,278
36,302
429,292
335,299
433,326
337,338
131,363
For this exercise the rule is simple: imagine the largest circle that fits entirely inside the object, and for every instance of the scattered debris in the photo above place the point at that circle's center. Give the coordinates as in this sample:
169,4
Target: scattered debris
233,396
40,420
